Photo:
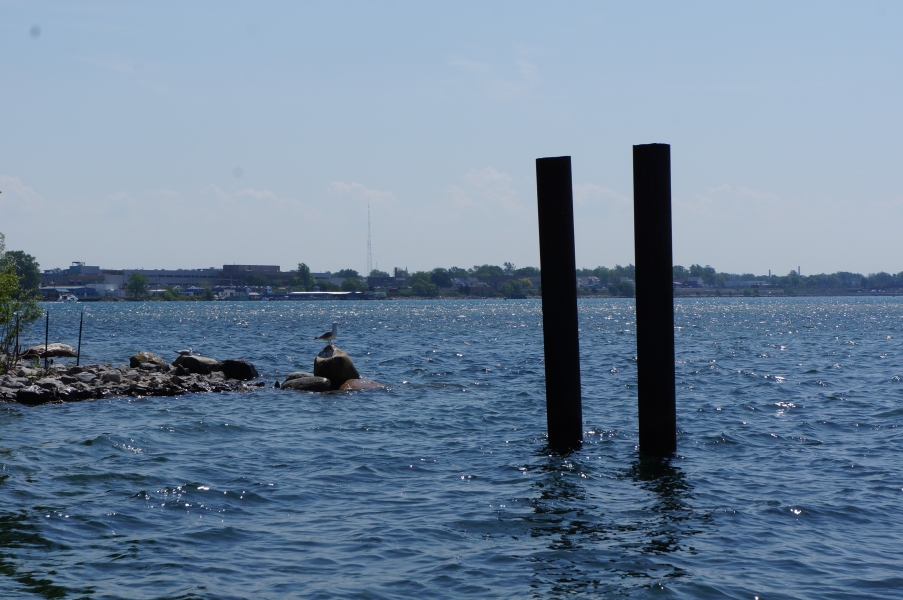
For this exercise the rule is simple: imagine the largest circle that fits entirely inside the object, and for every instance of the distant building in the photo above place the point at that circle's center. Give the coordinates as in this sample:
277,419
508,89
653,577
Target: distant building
694,282
180,277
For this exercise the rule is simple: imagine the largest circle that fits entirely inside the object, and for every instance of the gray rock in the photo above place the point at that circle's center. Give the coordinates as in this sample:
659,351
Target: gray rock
308,384
87,378
298,374
148,366
111,377
335,365
53,350
34,395
49,384
74,370
196,364
236,368
145,357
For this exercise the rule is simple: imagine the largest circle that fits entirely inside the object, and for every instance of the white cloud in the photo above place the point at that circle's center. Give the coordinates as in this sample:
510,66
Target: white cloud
485,188
590,193
529,71
359,191
17,190
18,198
471,66
500,84
216,192
163,194
257,194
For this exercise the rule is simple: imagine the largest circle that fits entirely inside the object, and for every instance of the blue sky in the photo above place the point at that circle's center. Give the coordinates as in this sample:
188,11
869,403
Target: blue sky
164,135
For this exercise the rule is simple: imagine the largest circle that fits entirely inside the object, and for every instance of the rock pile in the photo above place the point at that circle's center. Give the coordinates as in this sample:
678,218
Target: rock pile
146,375
333,370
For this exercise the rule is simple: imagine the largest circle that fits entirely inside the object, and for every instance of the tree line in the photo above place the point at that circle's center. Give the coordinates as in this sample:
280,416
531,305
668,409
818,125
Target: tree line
19,282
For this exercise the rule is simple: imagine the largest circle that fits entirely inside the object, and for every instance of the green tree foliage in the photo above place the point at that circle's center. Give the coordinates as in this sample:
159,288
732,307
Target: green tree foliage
458,273
326,286
345,273
707,273
303,278
509,267
608,277
421,285
137,284
378,273
486,271
514,287
26,268
16,302
353,284
208,291
440,278
526,272
622,288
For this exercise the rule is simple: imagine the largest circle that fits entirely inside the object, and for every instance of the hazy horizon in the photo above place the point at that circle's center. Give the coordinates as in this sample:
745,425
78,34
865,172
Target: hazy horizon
190,136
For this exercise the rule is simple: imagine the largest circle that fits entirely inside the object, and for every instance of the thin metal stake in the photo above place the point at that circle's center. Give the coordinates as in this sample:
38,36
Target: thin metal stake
17,338
78,354
46,337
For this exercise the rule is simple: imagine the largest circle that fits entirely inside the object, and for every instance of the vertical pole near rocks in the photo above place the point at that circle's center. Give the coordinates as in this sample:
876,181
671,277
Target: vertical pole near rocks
17,339
555,201
78,353
654,298
46,337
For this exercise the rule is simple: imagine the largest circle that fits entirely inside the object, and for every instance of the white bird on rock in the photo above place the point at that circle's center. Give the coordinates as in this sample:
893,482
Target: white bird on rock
329,335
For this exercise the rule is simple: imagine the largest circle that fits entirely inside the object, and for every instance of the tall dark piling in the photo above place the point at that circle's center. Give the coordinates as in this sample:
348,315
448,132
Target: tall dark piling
555,201
46,338
78,353
654,298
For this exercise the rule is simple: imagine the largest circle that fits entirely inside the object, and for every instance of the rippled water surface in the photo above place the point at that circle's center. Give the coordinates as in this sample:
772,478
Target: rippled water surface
788,479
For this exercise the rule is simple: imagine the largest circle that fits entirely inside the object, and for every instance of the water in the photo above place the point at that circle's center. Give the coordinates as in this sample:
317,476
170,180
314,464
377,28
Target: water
787,481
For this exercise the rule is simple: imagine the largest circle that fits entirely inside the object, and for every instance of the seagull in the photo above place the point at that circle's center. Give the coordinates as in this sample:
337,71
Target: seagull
184,352
329,335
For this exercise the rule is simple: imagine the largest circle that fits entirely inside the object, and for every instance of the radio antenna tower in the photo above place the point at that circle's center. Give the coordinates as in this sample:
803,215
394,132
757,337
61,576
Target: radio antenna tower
369,251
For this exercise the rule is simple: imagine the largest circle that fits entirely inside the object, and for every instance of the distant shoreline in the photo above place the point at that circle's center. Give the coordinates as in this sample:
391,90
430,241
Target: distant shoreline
681,295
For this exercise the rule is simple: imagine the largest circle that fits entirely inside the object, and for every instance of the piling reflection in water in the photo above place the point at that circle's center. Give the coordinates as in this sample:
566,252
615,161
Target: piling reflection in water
673,519
610,538
22,545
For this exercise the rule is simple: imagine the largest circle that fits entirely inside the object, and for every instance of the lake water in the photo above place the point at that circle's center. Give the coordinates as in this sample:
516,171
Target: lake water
787,481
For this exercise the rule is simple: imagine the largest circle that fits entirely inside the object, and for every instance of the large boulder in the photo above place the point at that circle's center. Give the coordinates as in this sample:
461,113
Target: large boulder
361,384
308,384
236,368
298,374
197,364
335,365
34,395
53,350
145,357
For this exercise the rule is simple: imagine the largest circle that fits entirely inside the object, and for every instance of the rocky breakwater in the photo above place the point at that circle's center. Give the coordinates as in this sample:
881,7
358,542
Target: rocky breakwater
146,375
333,370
